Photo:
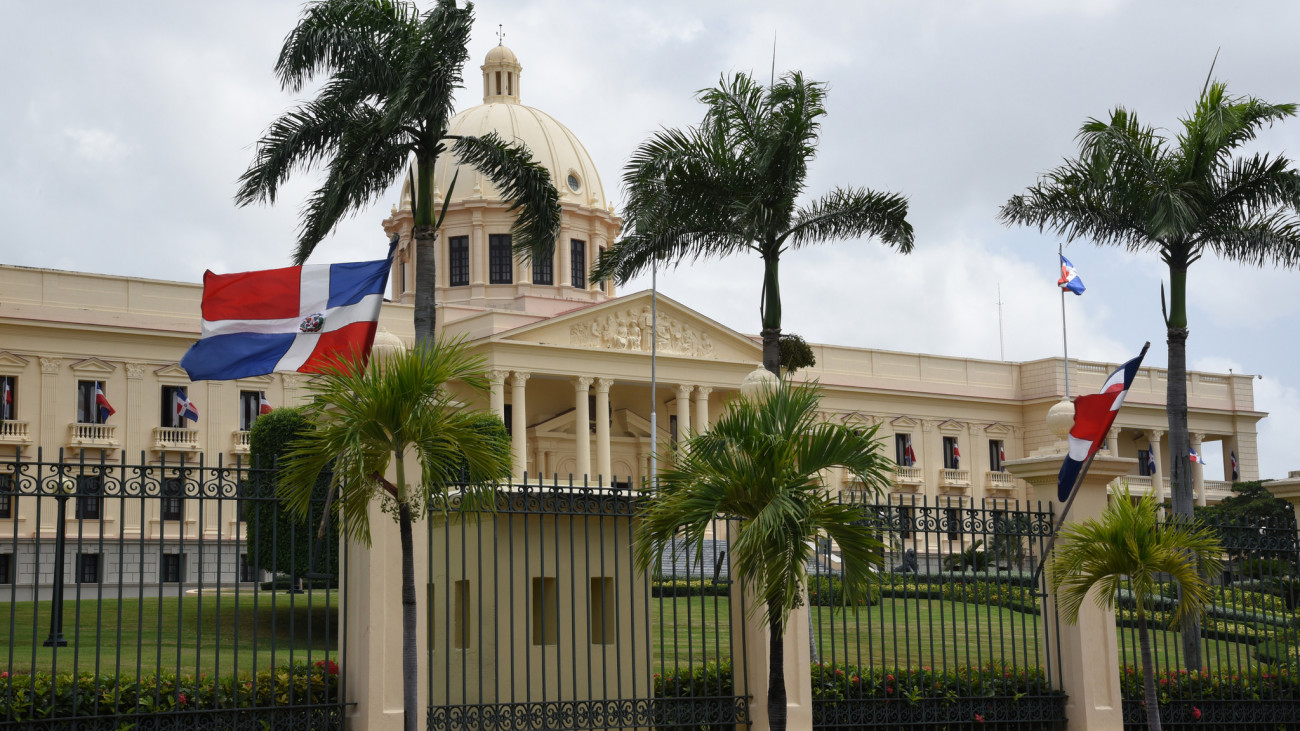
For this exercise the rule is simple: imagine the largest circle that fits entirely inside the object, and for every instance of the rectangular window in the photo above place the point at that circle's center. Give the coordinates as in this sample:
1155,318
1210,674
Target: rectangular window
546,611
460,640
8,398
6,568
88,500
6,496
544,270
169,417
501,260
951,454
87,406
1144,463
903,454
172,567
173,505
246,571
952,519
602,611
87,568
578,262
250,407
458,261
995,455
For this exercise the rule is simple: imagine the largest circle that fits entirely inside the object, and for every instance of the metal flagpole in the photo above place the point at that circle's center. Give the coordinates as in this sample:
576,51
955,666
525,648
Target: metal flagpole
1002,353
654,391
1065,338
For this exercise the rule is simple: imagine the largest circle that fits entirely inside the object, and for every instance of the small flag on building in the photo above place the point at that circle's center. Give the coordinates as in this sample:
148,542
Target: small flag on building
909,456
1151,462
1069,278
185,409
101,401
1093,416
7,403
956,456
264,406
1002,453
1232,455
293,319
1198,459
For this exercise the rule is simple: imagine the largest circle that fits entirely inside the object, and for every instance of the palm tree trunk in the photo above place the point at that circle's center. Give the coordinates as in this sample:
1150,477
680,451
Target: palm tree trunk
1180,472
410,666
776,703
771,317
1148,674
426,259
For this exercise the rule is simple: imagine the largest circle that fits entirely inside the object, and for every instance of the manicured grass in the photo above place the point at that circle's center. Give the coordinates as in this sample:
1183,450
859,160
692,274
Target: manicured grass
239,633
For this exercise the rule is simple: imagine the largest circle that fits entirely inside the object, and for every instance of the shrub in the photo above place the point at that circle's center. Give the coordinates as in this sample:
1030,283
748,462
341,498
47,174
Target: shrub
711,680
693,587
974,557
828,591
841,681
1234,685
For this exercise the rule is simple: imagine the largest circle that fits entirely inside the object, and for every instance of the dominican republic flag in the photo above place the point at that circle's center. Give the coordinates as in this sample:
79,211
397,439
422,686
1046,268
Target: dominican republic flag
105,410
1069,278
909,456
956,456
7,402
1232,455
1093,416
293,319
1151,462
1198,459
1002,453
264,406
185,409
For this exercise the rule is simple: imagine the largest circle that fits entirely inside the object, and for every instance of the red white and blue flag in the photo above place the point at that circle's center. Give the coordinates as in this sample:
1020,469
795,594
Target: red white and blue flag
909,455
185,409
101,401
1198,459
1093,416
300,318
1069,278
7,402
956,456
1151,462
263,406
1232,455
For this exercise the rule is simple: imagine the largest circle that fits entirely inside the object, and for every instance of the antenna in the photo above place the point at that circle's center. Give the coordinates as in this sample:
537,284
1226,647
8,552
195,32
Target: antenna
501,34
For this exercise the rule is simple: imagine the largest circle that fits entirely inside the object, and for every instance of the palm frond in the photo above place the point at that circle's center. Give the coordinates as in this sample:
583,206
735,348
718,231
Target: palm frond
353,35
522,181
847,213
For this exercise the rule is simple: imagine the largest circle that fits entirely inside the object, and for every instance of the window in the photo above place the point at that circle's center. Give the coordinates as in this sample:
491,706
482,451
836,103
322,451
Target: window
498,83
546,611
8,398
574,184
458,261
672,429
169,417
600,254
6,568
903,454
87,568
501,260
88,487
246,570
250,407
578,261
951,454
544,270
509,419
88,410
952,520
996,452
6,496
173,505
172,567
1144,463
401,280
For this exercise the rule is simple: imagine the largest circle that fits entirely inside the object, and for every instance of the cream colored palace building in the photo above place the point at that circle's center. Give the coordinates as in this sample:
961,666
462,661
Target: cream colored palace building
569,360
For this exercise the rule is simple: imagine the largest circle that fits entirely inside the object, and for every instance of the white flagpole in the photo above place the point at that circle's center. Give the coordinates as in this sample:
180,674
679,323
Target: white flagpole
1065,338
654,391
1002,352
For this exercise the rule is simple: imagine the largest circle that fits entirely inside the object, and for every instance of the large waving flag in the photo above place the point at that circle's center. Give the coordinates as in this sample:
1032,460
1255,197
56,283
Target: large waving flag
1069,278
293,319
1093,416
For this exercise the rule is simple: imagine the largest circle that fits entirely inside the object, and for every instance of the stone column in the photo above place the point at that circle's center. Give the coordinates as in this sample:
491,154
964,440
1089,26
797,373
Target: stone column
1198,469
702,408
602,429
497,399
582,425
1112,441
564,267
50,420
1158,475
683,412
518,424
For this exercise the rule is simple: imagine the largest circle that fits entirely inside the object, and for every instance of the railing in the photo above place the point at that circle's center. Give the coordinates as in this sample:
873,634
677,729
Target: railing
996,480
908,478
954,479
1247,638
175,439
92,435
108,626
947,638
240,441
14,432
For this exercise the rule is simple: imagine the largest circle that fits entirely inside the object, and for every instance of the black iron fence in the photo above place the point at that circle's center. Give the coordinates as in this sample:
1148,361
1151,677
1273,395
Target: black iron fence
953,635
134,592
1249,644
540,619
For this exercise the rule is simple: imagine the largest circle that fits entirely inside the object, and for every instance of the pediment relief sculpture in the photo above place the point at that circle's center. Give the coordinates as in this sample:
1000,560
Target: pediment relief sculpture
629,329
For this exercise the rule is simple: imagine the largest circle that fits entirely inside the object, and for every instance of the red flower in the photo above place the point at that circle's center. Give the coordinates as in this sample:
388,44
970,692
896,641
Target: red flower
1196,713
979,718
182,699
889,690
329,666
4,675
890,678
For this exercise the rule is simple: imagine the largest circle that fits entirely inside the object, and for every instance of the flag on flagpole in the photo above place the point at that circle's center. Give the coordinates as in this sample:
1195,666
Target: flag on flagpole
956,456
1198,459
1069,278
105,409
1093,416
909,455
293,319
7,403
1232,455
264,406
1002,452
185,409
1151,462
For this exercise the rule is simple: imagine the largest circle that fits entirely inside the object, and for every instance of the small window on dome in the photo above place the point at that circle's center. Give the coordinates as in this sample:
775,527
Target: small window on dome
574,183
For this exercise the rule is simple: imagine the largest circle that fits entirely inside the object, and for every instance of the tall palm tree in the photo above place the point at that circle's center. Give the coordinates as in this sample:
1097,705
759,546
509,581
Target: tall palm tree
1130,543
367,417
732,184
390,73
1132,186
762,464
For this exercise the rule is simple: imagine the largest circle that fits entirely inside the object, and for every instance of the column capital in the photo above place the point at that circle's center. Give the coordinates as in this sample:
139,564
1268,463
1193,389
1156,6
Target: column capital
603,384
520,377
1155,435
702,392
135,371
497,376
582,383
50,365
1197,437
684,391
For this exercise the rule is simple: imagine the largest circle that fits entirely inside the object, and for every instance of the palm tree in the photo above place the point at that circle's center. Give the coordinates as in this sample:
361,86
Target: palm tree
762,465
1133,187
1129,543
390,72
731,185
368,416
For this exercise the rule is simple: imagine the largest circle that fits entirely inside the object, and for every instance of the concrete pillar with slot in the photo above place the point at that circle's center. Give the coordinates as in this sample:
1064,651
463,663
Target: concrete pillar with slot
1089,651
755,638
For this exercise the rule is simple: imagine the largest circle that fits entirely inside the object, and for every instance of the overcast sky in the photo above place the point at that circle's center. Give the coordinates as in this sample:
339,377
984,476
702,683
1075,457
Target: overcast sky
124,126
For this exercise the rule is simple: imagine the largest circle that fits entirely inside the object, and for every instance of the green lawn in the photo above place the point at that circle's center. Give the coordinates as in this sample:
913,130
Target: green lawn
239,633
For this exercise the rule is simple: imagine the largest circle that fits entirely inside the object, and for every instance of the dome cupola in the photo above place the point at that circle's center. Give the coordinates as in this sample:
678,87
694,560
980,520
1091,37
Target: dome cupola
501,72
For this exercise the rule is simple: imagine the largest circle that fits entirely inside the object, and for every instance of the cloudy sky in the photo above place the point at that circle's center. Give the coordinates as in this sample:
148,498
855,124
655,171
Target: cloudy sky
124,126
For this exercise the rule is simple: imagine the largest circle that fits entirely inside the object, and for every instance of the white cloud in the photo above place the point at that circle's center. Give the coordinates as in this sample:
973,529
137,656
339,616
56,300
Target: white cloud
96,145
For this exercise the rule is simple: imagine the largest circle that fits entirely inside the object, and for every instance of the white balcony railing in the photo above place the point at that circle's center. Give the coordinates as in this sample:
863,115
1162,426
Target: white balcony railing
239,441
954,479
102,436
175,439
14,432
999,480
908,478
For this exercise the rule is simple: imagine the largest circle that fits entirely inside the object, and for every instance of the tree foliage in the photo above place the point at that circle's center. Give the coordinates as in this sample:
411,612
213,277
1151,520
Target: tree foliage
795,353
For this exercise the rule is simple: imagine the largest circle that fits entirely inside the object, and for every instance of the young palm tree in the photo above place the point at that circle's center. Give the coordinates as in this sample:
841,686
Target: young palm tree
368,417
762,464
389,72
732,184
1130,543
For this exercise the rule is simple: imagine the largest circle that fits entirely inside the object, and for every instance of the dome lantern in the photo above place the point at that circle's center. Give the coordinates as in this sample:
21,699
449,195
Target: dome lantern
501,72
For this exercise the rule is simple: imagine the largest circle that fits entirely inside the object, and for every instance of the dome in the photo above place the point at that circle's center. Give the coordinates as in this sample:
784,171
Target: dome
501,54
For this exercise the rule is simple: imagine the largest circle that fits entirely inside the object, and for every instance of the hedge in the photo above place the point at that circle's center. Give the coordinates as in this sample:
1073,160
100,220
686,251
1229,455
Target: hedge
842,681
29,697
1233,685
